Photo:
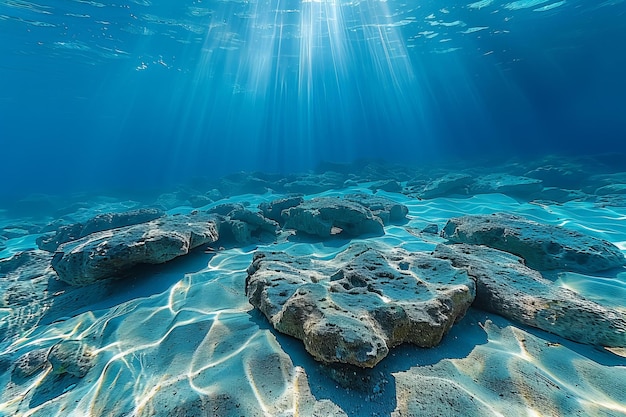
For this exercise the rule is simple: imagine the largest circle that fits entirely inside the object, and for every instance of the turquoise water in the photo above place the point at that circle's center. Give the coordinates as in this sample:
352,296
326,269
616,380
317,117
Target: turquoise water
105,95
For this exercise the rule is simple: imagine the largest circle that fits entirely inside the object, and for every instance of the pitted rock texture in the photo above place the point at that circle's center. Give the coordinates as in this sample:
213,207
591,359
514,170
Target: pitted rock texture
543,247
505,286
110,253
354,308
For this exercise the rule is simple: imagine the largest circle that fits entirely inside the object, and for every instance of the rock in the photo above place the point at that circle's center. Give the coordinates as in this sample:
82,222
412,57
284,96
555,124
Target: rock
326,216
390,186
273,210
199,200
50,242
114,220
544,247
558,195
225,209
71,357
432,229
388,210
506,184
98,223
446,185
30,363
505,286
245,226
110,253
561,175
356,307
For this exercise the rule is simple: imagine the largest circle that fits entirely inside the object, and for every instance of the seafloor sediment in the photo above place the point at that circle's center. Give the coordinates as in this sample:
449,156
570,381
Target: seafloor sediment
359,289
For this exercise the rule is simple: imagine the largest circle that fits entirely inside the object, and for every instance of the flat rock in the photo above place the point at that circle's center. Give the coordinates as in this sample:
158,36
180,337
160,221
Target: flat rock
244,226
506,184
386,209
505,286
110,253
327,216
355,308
448,184
101,222
543,247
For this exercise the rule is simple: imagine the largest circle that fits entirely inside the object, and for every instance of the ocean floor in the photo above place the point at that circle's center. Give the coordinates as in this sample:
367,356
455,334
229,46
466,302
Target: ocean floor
181,338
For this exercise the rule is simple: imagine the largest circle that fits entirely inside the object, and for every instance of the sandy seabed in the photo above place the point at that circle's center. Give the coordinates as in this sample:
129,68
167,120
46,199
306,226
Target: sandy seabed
181,339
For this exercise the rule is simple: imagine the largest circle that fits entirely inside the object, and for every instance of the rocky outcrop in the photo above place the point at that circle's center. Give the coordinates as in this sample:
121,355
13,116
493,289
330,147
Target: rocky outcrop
241,225
505,286
506,184
356,307
98,223
543,247
387,210
327,216
110,253
448,184
274,209
354,215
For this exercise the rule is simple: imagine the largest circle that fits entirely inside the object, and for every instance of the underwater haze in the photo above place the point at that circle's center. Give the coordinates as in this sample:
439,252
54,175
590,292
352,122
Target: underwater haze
101,94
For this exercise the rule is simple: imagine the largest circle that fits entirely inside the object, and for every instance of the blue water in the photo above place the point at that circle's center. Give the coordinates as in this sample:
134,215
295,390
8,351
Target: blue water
97,94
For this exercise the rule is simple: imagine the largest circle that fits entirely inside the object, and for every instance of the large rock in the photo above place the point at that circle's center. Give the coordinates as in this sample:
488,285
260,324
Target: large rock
326,216
353,215
505,286
241,225
356,307
543,247
446,185
506,184
110,253
387,210
273,209
98,223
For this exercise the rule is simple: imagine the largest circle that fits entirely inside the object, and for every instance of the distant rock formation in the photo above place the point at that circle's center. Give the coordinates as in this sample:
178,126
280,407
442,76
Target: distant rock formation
543,247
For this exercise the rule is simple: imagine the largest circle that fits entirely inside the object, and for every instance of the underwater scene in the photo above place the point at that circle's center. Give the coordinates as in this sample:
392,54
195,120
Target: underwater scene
312,208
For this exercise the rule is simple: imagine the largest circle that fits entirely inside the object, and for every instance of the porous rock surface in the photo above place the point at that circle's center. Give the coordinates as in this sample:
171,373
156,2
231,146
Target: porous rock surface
505,286
109,253
354,308
543,247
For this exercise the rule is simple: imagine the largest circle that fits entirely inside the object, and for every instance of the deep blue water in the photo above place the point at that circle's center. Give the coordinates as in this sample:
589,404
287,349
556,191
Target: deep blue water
97,94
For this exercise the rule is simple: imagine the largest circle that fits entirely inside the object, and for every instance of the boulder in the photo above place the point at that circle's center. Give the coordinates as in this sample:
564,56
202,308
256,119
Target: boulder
242,225
273,210
113,252
355,308
446,185
101,222
388,210
543,247
327,216
505,286
506,184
